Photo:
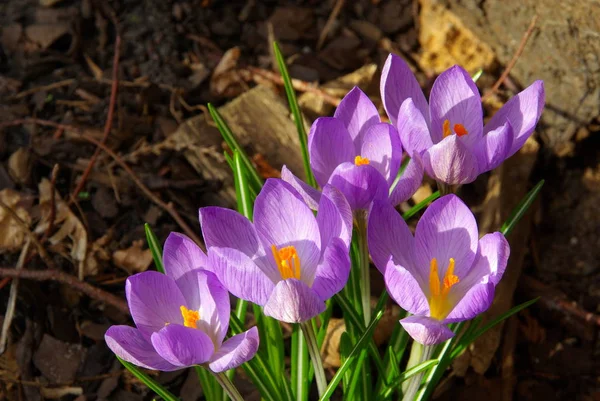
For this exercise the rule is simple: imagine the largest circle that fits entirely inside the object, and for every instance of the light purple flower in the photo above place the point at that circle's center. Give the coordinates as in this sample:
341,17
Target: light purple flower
359,155
448,133
444,273
288,261
181,317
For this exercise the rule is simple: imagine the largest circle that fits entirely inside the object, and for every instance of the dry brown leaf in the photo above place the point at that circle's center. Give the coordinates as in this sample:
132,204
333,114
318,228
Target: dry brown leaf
19,165
12,235
45,34
69,227
226,80
54,393
133,259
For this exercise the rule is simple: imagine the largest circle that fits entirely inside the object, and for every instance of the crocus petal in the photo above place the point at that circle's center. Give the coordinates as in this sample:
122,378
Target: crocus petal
182,255
409,181
523,112
334,217
426,330
359,184
131,346
241,275
413,129
492,256
235,351
477,300
311,195
381,145
282,219
154,300
451,162
398,83
405,290
226,228
358,113
333,271
388,235
446,230
183,346
454,97
491,150
329,145
293,302
204,293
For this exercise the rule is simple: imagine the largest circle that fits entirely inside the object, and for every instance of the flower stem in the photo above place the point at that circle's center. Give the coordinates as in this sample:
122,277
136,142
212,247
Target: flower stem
315,355
418,354
363,254
228,386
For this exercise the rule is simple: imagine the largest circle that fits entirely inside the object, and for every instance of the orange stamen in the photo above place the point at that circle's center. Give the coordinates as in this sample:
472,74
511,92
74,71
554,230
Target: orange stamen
288,262
361,161
446,129
439,304
190,317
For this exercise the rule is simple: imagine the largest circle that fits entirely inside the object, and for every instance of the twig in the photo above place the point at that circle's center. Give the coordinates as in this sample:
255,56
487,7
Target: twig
168,207
38,121
334,13
72,281
298,84
109,118
54,85
52,202
12,299
513,61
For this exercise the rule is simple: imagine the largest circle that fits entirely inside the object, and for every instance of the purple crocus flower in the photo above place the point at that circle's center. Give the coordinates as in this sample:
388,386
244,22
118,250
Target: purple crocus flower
359,155
448,133
181,317
288,261
444,273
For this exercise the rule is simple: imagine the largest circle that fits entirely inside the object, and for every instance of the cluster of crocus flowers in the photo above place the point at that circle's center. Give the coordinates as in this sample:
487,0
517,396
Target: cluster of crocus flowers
359,155
448,133
288,260
181,317
443,274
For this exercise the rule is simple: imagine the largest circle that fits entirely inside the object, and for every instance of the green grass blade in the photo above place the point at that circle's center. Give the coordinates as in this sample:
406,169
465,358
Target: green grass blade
229,138
242,189
148,381
360,345
210,387
419,206
521,208
293,102
155,248
300,365
407,375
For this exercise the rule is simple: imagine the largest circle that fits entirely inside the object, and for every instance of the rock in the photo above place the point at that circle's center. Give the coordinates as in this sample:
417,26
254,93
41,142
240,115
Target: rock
395,16
293,23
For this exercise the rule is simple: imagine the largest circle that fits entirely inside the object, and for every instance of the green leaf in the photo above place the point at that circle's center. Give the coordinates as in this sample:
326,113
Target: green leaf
155,248
211,388
419,206
148,381
477,75
242,189
291,96
229,138
360,345
299,364
407,375
521,208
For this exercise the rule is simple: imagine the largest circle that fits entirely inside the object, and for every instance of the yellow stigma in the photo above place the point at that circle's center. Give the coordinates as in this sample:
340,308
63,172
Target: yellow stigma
459,129
287,261
439,304
361,161
190,317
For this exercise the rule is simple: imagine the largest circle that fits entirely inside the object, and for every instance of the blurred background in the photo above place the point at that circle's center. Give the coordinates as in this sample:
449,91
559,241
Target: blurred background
90,150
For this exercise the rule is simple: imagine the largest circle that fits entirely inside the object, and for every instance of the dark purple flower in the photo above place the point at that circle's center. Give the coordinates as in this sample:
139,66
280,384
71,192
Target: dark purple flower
288,261
181,317
448,133
359,155
443,274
